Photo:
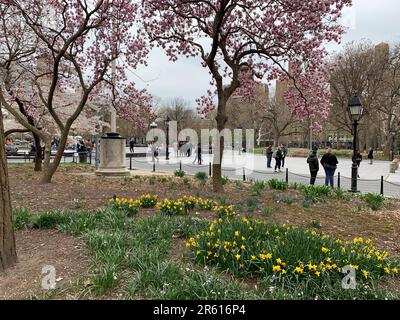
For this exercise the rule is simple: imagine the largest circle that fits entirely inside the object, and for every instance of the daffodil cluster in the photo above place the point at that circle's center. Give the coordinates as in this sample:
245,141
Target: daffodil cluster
189,202
128,205
205,204
172,207
148,201
255,248
224,211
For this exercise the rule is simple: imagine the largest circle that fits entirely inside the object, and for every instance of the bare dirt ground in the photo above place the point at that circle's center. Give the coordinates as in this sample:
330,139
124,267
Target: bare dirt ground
37,249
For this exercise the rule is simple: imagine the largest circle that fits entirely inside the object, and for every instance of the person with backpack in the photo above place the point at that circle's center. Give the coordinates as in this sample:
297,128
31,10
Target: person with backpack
278,159
313,163
269,153
329,163
371,156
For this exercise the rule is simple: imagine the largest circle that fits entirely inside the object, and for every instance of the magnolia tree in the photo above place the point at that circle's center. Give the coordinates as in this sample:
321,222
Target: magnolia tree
232,37
64,51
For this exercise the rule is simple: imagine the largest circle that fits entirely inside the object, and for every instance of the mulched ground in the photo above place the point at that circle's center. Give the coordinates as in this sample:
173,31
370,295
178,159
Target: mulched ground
75,188
37,249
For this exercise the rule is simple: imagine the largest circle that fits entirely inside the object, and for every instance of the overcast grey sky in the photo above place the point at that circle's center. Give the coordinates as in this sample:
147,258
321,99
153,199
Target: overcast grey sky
376,20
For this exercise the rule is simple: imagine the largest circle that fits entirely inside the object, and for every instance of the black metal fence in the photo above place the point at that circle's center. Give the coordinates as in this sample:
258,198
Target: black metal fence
378,186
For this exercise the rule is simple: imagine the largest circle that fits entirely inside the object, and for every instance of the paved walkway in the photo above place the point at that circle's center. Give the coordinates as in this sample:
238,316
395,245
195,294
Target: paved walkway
255,167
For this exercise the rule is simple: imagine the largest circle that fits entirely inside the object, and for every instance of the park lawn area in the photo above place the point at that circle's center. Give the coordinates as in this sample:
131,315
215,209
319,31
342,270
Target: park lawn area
144,254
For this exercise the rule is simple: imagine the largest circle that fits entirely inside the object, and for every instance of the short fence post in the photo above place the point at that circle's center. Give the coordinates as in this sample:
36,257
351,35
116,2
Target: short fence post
130,162
382,185
154,167
244,174
287,175
338,181
180,165
210,170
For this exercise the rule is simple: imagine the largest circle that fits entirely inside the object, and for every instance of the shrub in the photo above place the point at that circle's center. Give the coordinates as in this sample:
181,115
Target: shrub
267,212
251,202
343,195
276,184
186,182
317,192
315,224
374,201
152,181
225,180
238,184
201,176
22,219
288,257
179,173
224,211
257,188
49,220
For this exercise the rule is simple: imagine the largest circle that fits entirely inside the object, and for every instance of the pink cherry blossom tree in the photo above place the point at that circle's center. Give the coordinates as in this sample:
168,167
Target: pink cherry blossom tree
253,37
57,59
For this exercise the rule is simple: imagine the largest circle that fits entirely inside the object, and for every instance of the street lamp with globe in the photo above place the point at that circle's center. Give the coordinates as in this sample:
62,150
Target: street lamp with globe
356,111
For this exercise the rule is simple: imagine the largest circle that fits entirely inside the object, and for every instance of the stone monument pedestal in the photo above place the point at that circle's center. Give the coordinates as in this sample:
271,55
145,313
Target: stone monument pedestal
112,156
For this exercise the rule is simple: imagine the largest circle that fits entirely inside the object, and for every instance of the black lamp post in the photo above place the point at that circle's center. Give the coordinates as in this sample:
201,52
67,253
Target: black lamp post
167,121
356,111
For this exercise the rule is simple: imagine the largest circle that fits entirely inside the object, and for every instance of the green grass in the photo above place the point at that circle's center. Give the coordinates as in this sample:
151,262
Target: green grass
21,219
140,259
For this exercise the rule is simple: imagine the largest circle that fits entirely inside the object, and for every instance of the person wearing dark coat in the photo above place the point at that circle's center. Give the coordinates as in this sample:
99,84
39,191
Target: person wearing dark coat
313,163
278,159
329,162
371,155
269,153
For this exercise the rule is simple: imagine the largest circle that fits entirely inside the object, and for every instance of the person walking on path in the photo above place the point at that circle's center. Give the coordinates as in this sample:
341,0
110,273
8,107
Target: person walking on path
198,155
313,163
269,153
278,159
284,154
132,145
329,162
358,161
371,156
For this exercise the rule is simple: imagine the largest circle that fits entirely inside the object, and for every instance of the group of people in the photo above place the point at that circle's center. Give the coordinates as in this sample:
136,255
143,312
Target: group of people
187,152
329,162
279,155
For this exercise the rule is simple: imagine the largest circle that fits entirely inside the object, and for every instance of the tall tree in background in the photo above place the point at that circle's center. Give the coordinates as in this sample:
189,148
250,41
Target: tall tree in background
78,40
178,110
254,37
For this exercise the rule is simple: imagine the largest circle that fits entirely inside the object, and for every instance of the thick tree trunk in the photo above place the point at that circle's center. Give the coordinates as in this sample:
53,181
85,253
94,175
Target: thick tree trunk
8,254
387,150
38,154
51,168
218,154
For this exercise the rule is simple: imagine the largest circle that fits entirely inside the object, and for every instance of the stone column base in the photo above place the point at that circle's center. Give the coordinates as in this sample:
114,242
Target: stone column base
112,156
